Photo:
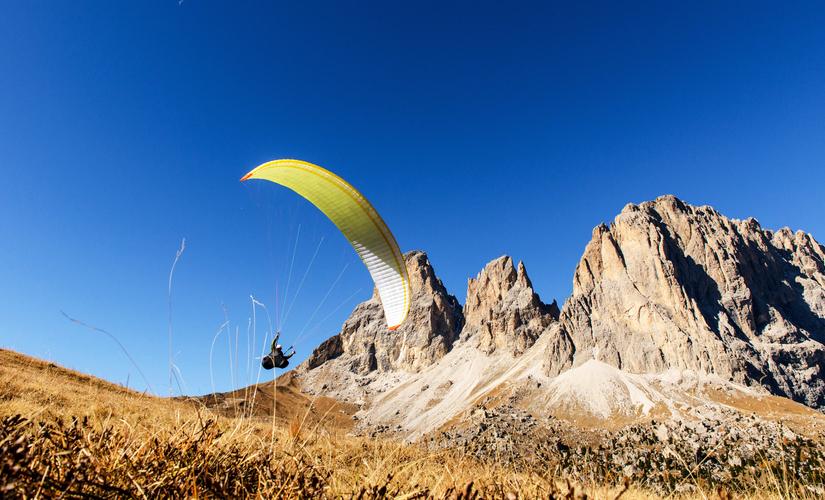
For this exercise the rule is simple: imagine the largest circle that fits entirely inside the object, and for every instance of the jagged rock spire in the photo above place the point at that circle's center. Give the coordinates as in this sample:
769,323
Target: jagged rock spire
502,309
428,333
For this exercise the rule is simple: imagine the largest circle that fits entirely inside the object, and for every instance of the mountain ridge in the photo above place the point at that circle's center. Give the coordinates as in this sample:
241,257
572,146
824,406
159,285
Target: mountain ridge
645,292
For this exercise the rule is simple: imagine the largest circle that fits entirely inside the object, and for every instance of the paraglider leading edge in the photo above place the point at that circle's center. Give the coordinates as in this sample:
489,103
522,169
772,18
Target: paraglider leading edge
359,222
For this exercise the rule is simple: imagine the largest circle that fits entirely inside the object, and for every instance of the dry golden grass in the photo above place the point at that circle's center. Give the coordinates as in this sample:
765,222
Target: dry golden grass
67,435
30,386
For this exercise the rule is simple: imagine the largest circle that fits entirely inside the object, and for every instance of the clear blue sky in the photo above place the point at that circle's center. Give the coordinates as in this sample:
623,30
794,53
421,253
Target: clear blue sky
476,129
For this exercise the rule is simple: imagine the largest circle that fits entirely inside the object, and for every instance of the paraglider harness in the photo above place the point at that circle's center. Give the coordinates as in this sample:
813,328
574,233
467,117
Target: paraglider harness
276,358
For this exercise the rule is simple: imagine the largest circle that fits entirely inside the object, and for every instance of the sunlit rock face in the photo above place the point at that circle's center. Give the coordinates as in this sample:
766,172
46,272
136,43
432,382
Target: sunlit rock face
426,335
669,285
502,310
675,311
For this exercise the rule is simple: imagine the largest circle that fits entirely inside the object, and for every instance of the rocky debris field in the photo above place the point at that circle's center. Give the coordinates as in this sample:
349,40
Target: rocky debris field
720,447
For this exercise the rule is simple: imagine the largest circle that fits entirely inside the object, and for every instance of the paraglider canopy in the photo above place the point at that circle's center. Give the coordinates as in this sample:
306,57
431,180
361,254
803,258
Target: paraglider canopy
360,223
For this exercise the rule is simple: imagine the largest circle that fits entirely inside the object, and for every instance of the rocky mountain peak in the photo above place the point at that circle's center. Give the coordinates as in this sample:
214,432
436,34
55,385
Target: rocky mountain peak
503,311
669,285
521,276
427,334
422,275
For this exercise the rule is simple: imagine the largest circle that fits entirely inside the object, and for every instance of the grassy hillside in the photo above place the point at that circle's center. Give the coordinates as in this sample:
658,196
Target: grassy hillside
289,403
69,435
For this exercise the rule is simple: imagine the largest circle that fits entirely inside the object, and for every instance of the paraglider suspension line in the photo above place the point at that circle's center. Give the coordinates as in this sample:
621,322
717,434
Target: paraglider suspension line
289,276
300,335
302,282
315,329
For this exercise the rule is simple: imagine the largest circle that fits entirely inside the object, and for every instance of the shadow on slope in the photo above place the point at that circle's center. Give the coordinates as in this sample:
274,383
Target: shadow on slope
257,401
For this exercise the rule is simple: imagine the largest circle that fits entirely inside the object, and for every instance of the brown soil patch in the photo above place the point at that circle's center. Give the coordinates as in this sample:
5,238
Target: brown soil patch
800,418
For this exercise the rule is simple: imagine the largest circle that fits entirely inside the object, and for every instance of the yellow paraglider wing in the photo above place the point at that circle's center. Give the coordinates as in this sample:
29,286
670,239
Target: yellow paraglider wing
357,220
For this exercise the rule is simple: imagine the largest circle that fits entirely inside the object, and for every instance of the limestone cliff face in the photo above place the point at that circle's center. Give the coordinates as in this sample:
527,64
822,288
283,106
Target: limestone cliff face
502,309
669,285
427,334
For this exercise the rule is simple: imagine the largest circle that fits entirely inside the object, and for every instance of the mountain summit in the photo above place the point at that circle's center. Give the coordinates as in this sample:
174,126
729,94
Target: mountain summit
672,286
366,346
502,309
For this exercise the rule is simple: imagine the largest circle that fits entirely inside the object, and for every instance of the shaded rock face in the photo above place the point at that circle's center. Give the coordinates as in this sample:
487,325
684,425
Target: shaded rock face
502,309
669,285
428,333
329,349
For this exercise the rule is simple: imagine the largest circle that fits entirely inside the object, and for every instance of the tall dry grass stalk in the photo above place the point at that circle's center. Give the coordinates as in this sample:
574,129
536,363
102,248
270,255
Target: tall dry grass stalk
177,256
